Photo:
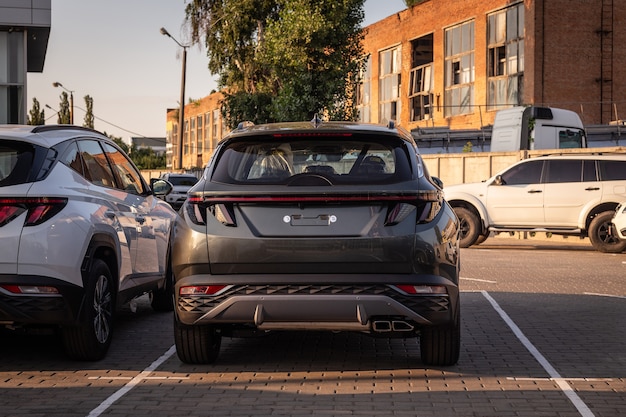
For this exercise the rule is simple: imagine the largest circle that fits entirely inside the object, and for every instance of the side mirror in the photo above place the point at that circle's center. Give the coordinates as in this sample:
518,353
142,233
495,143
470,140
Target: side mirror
160,188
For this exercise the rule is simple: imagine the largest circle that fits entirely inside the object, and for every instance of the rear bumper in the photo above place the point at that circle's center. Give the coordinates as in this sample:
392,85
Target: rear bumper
300,306
38,309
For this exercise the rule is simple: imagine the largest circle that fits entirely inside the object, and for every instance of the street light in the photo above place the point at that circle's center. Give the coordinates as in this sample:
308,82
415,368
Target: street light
181,112
58,84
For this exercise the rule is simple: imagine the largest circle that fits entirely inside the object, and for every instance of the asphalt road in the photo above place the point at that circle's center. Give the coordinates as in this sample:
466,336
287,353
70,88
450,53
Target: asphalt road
544,334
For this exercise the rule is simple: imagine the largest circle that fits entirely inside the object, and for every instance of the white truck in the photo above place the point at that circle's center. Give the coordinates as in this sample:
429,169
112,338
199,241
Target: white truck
528,128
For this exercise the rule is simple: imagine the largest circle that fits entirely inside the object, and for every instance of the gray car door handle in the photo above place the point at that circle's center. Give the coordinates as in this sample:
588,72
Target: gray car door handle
534,191
592,188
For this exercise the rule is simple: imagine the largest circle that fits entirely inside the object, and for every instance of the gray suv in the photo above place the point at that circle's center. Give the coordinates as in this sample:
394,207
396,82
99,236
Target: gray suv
316,226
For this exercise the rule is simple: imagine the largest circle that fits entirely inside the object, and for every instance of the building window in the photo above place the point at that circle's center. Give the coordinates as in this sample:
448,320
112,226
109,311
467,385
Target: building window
459,69
207,132
505,71
199,134
421,81
12,74
215,127
390,81
186,137
363,93
192,135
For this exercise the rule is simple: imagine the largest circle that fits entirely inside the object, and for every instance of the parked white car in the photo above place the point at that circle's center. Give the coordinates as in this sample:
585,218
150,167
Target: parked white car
559,194
182,183
81,234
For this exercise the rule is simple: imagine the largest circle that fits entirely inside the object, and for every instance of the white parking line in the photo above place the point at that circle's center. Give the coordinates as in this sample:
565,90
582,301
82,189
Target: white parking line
132,383
554,375
605,295
479,280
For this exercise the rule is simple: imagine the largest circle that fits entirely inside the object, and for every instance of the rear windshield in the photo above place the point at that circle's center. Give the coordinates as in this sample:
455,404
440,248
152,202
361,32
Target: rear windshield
185,181
16,160
291,159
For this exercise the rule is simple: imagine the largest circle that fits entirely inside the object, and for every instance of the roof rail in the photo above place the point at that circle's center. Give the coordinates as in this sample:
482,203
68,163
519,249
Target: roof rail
52,128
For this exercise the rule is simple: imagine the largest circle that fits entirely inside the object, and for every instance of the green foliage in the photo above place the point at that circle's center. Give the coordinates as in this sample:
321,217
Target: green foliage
146,158
119,142
468,147
282,59
36,116
411,3
88,121
63,116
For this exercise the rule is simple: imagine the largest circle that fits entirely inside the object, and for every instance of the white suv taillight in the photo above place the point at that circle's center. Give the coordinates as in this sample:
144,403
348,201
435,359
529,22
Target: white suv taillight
39,209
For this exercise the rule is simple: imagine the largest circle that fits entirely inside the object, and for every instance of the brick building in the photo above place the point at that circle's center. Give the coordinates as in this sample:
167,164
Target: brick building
203,130
453,64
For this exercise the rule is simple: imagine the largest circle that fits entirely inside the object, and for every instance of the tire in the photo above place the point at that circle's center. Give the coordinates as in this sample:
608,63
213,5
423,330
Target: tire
481,239
91,338
441,345
601,236
196,344
469,227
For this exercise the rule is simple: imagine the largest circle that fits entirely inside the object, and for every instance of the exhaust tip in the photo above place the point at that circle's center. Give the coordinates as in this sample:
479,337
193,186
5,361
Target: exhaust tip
381,326
401,326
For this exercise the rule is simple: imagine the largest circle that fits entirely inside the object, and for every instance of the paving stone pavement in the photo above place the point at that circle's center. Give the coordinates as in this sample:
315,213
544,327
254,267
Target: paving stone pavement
326,374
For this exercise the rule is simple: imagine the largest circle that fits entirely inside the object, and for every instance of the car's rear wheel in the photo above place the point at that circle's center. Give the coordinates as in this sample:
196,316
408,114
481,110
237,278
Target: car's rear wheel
441,345
602,237
90,339
469,226
196,344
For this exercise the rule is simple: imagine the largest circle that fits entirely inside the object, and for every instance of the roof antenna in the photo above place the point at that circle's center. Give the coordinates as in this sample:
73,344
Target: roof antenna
316,121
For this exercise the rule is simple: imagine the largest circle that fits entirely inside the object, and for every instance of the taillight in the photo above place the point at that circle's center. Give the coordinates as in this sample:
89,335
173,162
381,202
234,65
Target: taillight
428,203
196,211
30,289
40,209
422,289
202,289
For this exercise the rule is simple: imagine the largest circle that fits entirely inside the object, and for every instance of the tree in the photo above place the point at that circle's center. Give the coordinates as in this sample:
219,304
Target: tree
88,121
411,3
146,158
36,116
282,59
63,116
119,142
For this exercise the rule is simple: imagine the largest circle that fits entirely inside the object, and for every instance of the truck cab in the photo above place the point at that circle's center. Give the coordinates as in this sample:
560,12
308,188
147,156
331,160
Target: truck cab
528,128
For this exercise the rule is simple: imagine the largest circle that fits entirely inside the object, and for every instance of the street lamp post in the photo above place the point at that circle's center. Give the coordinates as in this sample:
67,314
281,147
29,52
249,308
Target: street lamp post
181,112
58,84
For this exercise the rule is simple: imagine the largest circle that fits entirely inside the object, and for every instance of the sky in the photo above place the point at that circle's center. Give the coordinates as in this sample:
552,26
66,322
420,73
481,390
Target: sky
113,51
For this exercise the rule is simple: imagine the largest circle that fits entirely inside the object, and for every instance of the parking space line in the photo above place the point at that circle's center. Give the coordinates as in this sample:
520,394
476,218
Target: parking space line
479,280
554,375
604,295
132,383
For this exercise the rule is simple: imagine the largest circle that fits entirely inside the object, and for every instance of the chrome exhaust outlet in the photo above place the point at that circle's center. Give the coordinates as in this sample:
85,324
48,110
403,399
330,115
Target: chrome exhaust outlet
381,326
401,326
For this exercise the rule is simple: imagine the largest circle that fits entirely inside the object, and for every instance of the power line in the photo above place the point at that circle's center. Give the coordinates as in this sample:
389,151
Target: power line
98,118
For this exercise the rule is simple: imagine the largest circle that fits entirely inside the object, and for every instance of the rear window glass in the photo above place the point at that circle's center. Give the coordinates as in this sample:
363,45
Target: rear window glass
16,159
298,161
182,181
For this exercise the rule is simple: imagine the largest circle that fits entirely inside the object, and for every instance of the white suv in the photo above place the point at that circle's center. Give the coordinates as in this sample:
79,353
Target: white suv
81,233
559,194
